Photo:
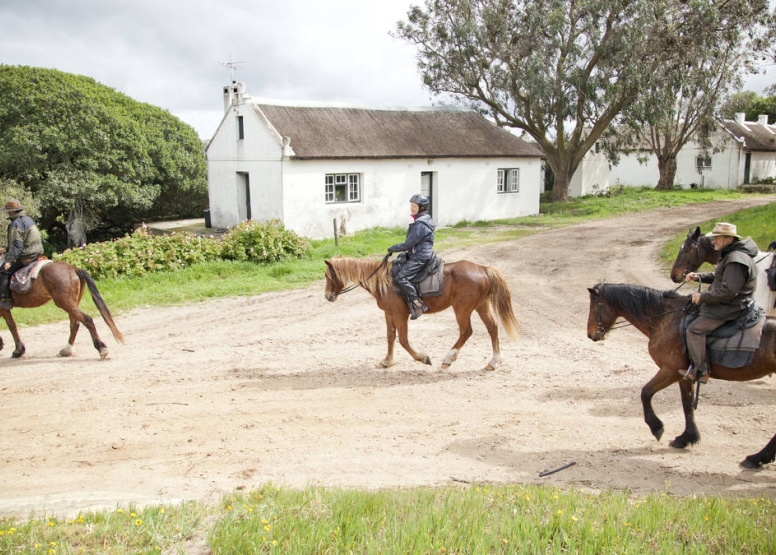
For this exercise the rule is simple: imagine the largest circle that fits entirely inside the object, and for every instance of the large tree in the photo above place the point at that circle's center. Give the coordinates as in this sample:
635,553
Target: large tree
559,70
683,99
80,147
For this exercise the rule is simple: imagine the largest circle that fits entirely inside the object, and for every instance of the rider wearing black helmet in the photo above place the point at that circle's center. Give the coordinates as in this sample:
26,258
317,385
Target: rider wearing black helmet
419,246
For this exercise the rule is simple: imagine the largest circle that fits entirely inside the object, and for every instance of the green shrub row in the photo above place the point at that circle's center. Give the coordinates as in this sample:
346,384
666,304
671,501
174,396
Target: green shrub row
142,252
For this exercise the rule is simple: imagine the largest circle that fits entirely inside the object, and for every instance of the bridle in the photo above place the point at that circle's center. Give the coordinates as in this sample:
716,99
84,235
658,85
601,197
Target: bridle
335,278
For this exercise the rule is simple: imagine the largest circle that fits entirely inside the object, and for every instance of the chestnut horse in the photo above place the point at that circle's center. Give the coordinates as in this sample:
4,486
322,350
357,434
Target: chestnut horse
697,249
65,285
657,314
467,287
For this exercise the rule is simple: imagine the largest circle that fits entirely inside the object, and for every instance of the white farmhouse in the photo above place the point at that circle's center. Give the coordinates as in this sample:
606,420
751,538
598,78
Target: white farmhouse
744,152
320,168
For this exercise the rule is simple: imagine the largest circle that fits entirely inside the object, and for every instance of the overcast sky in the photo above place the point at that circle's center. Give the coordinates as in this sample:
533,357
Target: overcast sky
170,53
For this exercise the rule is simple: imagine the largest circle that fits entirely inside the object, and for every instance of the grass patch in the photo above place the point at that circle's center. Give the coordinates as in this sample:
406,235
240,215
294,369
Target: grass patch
472,519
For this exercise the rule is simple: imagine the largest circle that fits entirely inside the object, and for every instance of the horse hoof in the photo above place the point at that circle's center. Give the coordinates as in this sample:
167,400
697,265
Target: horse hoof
66,351
749,464
444,366
678,443
103,354
658,433
384,364
489,368
17,354
427,360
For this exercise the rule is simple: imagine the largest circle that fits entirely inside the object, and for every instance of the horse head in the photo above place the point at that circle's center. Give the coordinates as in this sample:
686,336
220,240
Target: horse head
690,256
600,316
333,284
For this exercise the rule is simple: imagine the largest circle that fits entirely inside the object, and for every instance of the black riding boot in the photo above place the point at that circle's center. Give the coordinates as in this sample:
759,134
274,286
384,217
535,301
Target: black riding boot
417,308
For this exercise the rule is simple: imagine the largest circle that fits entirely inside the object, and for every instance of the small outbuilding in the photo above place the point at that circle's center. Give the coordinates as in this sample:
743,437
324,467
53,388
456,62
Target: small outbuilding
318,168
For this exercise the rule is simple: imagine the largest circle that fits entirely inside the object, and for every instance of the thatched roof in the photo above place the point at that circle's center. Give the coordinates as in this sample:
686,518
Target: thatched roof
755,136
337,132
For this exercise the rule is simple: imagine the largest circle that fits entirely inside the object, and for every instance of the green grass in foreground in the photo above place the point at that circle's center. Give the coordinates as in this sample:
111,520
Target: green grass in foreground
472,519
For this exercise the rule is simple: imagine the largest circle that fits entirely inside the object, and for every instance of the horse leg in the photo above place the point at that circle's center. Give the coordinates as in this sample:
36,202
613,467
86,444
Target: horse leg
661,380
483,309
391,333
401,328
463,317
767,455
19,348
77,317
690,435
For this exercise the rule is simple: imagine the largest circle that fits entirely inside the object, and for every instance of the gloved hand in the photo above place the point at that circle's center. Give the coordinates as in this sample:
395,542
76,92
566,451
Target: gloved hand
391,250
772,246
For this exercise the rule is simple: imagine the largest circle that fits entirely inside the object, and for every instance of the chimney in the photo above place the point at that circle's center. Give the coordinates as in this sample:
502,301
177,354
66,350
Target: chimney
740,117
762,119
233,95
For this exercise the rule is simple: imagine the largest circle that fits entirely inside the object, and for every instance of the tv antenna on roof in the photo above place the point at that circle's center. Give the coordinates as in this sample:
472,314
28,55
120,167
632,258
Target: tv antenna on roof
232,65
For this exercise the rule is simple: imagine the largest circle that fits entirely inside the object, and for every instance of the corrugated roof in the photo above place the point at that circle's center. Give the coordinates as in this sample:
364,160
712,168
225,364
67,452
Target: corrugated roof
756,137
345,132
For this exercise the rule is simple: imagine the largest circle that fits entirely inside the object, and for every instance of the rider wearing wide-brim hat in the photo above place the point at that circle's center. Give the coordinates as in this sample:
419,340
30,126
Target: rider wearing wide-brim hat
24,247
729,296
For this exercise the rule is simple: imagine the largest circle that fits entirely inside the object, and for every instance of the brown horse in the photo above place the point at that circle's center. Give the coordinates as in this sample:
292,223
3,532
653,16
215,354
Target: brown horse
657,314
697,249
467,287
65,285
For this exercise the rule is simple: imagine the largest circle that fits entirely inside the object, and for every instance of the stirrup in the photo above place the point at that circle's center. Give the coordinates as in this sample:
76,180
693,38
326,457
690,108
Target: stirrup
417,310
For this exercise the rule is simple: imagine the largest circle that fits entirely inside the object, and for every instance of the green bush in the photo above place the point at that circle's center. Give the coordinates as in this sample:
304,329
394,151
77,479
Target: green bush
270,241
142,252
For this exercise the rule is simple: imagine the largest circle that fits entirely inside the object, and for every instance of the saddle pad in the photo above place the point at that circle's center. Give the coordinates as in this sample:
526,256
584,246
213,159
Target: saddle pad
21,281
734,343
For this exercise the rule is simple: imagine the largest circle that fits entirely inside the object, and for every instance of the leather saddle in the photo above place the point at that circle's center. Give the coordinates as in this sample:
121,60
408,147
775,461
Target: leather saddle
429,281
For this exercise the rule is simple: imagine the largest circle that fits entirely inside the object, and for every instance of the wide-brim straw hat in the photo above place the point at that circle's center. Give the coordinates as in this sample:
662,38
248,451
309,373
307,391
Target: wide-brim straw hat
724,229
13,205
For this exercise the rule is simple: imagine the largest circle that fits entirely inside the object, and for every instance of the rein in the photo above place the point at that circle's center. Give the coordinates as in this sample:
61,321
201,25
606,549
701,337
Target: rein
625,324
356,285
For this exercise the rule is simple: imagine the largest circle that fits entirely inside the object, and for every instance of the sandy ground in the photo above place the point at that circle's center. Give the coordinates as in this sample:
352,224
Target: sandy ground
284,387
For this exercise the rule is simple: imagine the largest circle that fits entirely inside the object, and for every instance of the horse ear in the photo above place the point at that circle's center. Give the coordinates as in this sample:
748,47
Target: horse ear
593,291
327,263
696,232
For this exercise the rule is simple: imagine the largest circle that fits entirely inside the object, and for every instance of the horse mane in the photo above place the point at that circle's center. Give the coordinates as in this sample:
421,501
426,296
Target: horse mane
637,299
362,271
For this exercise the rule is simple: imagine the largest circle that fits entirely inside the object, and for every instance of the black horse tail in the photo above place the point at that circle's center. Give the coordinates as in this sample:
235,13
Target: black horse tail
501,299
100,303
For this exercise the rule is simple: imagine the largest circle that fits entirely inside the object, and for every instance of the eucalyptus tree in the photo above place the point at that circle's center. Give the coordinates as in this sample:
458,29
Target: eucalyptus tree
78,146
559,70
683,99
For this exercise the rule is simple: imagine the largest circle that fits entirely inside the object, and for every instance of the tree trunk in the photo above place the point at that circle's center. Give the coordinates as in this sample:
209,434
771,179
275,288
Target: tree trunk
667,167
562,180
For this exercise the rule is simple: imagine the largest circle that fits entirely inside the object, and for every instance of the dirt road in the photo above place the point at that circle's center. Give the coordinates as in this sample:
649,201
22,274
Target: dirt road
284,387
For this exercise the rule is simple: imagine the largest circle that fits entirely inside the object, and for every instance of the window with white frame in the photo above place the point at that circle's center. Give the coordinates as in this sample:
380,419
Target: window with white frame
703,162
508,180
343,187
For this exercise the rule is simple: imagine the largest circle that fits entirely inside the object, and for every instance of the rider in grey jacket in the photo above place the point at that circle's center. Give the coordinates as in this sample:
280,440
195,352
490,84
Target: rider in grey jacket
419,246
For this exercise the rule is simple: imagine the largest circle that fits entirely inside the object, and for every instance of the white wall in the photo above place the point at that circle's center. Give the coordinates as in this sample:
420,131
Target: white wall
462,190
258,155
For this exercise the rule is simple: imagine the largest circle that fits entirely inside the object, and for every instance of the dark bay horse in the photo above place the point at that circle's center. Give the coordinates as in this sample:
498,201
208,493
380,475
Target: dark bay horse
697,249
65,285
467,287
657,314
